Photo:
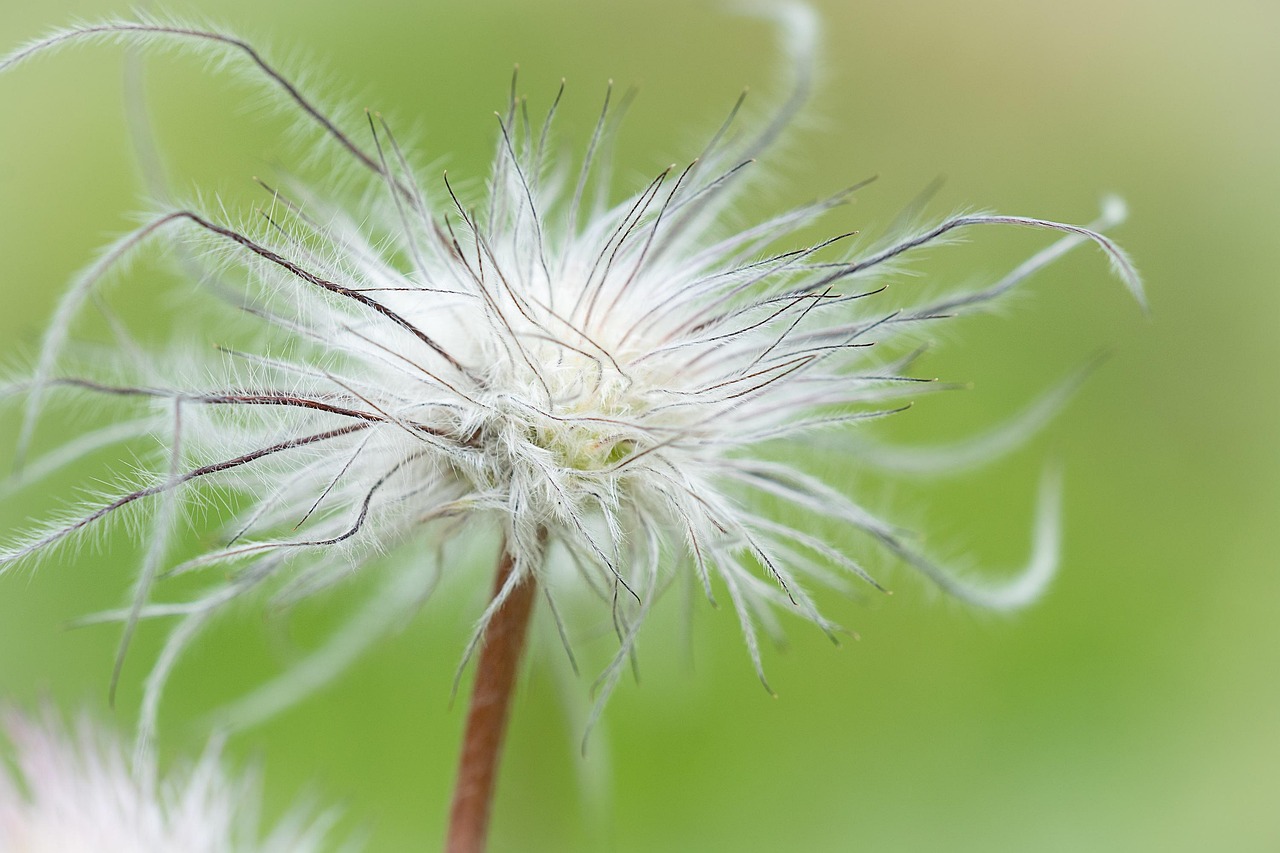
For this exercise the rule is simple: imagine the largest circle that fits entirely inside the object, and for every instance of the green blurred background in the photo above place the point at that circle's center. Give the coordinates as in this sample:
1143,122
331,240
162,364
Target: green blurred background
1136,708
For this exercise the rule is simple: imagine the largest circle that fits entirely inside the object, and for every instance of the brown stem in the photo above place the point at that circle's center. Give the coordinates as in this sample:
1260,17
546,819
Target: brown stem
487,716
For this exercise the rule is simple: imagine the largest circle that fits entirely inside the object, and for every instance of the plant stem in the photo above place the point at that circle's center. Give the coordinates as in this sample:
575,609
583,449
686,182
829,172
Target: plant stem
487,716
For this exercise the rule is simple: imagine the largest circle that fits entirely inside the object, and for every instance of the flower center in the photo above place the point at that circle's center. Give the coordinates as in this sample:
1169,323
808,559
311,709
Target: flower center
583,446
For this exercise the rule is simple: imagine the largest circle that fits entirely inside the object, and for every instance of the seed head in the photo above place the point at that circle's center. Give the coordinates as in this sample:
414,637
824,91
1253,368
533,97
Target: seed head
605,383
72,792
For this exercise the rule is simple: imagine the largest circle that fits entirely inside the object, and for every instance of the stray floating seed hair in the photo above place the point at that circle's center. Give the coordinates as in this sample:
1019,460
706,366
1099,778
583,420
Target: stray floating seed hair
603,382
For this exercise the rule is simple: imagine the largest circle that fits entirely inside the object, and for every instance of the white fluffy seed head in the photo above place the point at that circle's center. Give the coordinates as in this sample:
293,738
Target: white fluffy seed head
67,792
603,382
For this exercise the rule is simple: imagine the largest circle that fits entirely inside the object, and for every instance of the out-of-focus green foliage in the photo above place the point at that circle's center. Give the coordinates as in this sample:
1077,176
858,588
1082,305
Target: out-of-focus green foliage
1134,709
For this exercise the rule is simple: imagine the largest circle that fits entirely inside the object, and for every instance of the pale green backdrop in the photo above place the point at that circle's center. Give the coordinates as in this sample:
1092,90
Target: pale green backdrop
1137,708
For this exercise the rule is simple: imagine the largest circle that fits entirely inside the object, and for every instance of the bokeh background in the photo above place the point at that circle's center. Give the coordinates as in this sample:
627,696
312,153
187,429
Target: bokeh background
1136,708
